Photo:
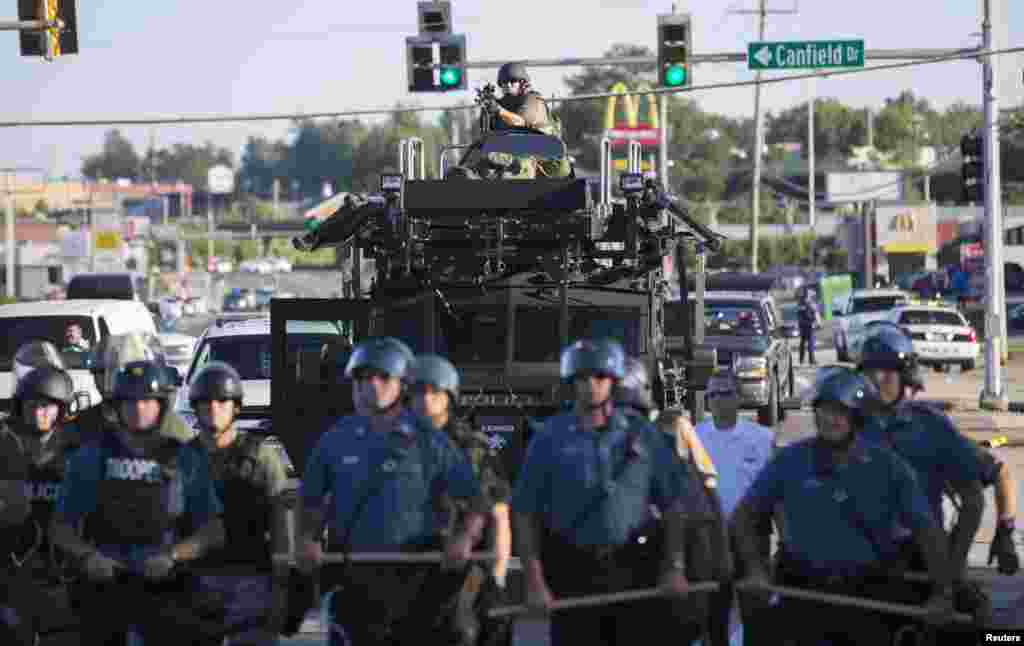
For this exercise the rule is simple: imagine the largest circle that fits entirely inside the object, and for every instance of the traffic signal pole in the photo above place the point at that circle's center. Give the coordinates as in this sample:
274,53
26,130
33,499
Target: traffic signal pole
994,395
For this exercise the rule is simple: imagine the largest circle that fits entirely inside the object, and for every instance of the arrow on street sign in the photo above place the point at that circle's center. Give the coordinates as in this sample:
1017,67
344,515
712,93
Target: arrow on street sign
809,54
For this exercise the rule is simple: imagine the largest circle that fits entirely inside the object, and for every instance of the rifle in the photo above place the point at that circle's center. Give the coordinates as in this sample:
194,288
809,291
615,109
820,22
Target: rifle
485,98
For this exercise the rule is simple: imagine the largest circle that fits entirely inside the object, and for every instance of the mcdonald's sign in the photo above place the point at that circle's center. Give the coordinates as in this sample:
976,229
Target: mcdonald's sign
631,129
907,229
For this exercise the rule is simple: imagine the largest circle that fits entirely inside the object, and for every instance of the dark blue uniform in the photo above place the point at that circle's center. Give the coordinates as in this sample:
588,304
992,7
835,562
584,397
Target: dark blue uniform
592,493
839,524
386,493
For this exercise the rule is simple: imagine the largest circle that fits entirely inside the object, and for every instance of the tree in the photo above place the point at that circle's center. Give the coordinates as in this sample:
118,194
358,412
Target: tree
117,161
901,124
837,129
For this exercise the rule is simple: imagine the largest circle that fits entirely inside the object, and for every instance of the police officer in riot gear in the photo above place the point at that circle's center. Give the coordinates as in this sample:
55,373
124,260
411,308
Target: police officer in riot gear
20,602
926,438
250,479
41,404
434,383
381,480
840,496
32,355
144,495
519,107
582,504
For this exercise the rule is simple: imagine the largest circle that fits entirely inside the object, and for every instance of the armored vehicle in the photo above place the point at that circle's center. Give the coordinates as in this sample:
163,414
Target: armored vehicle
497,266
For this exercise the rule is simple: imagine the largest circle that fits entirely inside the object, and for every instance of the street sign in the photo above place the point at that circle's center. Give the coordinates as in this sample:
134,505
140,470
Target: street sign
220,180
621,135
108,240
810,54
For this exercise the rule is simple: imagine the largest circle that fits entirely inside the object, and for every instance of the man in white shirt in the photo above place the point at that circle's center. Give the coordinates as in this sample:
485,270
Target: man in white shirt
739,449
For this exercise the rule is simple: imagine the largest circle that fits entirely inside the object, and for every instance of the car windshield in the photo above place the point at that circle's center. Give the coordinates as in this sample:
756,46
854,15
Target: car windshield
250,354
930,317
876,303
739,318
19,330
523,143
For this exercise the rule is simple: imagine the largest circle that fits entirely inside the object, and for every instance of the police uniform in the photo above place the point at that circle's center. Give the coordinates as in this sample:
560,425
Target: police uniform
614,547
136,504
250,478
386,493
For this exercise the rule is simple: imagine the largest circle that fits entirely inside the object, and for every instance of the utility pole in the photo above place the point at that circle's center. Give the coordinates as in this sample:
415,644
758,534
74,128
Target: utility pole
994,395
9,243
755,196
811,184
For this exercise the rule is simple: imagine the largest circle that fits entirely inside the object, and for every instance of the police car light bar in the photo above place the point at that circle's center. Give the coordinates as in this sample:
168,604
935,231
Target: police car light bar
390,183
630,183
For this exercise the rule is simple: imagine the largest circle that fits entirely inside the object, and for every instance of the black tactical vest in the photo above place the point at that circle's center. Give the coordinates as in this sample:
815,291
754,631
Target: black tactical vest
45,473
138,499
247,509
15,539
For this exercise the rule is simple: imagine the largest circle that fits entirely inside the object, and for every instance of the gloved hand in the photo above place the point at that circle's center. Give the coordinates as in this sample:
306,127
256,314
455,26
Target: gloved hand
1003,549
492,105
100,568
158,566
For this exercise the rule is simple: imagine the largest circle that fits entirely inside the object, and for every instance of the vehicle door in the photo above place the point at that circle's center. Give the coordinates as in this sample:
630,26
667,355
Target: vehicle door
307,391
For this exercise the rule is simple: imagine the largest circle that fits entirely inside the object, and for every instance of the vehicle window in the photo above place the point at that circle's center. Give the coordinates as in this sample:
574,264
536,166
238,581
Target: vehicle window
99,286
930,317
250,354
531,346
474,333
876,303
19,330
104,328
739,318
522,143
587,323
790,313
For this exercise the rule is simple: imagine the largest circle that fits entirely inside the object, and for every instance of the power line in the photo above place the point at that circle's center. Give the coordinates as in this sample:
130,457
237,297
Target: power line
302,116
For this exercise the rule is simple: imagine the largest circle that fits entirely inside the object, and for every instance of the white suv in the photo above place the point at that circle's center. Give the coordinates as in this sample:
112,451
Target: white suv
863,307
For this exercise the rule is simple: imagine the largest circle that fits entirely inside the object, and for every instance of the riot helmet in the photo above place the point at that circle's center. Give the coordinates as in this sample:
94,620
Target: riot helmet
593,357
217,381
888,346
635,388
386,355
142,380
438,372
113,353
849,391
36,354
510,72
47,383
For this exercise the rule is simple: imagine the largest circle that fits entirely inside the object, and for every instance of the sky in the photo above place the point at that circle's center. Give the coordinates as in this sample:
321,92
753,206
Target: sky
203,57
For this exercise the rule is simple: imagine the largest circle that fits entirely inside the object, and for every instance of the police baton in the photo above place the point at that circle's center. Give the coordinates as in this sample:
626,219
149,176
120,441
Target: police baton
847,600
601,599
387,557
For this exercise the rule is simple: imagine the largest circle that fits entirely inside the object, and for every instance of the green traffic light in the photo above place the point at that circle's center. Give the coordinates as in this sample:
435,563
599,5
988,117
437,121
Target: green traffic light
450,77
675,75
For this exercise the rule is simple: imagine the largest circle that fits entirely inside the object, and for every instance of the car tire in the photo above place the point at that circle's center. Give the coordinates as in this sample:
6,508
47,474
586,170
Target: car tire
768,415
967,366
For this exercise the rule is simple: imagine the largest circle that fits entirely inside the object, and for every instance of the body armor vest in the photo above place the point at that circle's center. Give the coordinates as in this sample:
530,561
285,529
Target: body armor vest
45,474
138,498
240,483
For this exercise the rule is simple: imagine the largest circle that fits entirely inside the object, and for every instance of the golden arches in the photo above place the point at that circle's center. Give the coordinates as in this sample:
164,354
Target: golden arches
631,103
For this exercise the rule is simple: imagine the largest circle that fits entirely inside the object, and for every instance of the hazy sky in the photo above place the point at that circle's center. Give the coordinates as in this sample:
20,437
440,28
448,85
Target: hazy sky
190,57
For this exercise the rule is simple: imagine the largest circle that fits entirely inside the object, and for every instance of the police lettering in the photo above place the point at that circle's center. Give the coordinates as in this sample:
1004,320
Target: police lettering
42,491
133,469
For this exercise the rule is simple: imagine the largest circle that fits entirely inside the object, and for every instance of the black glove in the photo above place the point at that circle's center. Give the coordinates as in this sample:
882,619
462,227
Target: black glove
491,105
159,566
1003,550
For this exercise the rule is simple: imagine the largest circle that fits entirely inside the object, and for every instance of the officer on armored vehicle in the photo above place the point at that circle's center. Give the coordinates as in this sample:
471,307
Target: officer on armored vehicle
519,106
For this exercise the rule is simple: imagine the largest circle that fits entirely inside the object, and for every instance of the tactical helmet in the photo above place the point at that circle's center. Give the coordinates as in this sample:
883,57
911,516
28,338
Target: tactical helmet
510,72
384,354
846,387
47,382
889,347
438,372
635,387
142,380
36,354
600,356
216,381
115,352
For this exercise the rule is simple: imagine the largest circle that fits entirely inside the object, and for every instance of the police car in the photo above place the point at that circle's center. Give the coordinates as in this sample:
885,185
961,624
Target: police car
941,335
856,314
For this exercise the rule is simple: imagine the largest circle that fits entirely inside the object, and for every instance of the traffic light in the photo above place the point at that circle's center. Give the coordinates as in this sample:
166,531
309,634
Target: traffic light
674,50
51,43
435,18
445,73
972,169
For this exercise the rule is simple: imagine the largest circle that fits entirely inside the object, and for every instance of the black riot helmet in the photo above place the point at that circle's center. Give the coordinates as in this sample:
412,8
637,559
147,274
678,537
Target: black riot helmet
635,388
386,355
849,389
36,354
596,357
438,372
47,383
510,72
217,381
888,346
143,380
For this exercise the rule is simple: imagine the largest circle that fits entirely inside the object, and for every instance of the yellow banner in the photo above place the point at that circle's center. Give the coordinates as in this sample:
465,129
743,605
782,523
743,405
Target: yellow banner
631,104
52,35
108,240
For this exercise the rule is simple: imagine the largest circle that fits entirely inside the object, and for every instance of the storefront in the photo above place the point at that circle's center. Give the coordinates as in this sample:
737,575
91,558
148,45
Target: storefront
906,239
